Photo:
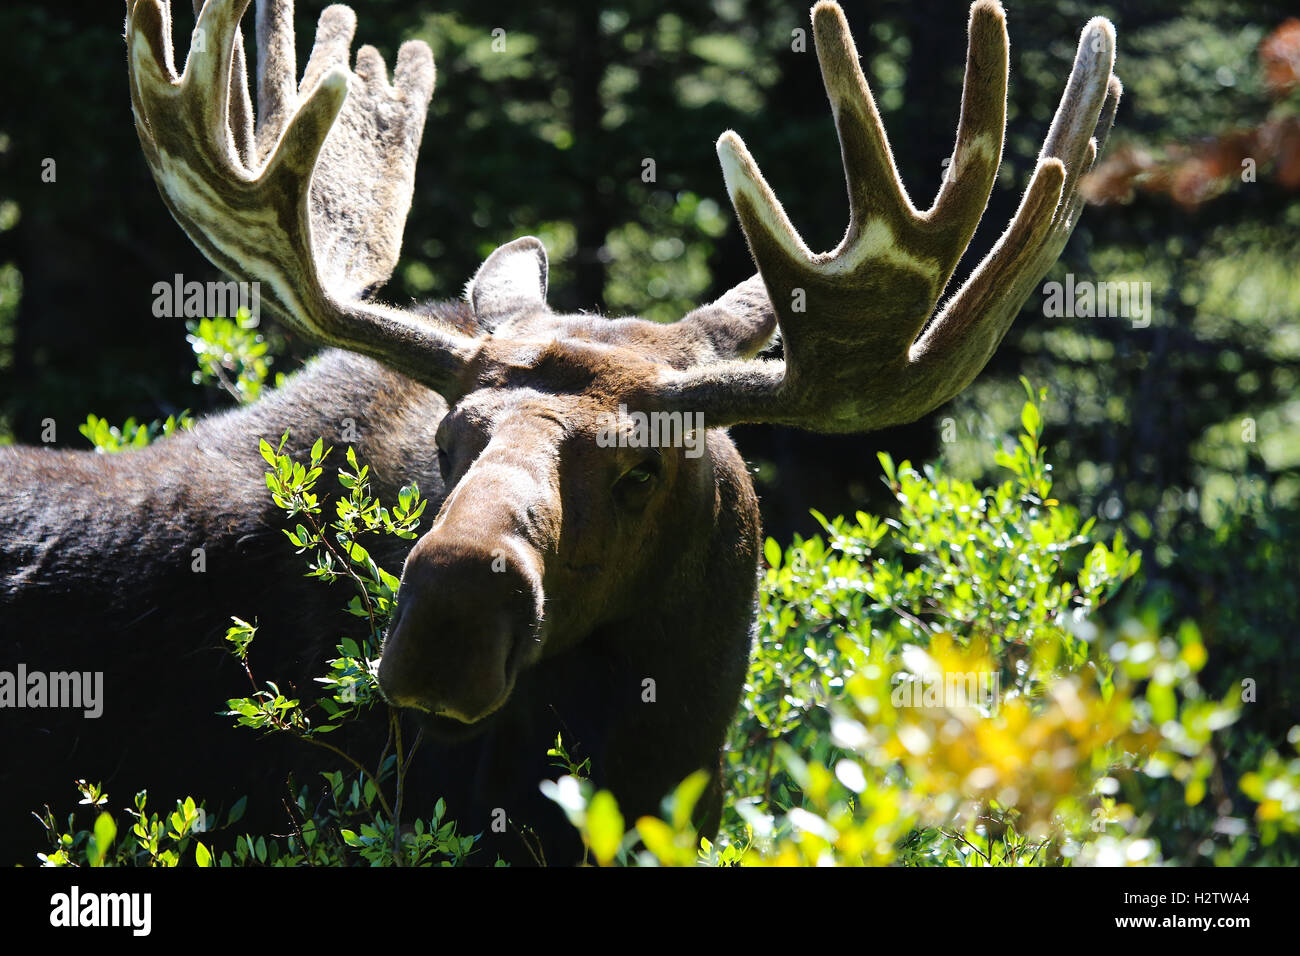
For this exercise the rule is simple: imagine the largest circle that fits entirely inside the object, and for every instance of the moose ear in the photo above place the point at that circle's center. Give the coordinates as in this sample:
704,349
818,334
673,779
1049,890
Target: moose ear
510,281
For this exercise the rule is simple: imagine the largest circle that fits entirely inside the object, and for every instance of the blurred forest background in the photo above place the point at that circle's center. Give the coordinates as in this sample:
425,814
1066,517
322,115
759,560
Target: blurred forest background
1184,433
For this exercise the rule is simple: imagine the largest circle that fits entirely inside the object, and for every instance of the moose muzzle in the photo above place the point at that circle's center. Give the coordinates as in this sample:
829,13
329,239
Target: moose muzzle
469,611
466,623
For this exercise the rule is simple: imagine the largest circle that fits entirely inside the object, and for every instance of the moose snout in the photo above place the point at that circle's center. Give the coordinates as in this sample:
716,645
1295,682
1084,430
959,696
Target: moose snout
466,621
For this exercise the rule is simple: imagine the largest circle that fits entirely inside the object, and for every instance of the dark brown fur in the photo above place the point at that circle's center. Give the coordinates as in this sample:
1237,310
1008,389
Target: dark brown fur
95,574
560,579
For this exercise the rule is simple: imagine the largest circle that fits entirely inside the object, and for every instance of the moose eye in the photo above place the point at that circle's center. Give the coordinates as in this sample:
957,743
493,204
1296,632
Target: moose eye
646,470
444,463
634,486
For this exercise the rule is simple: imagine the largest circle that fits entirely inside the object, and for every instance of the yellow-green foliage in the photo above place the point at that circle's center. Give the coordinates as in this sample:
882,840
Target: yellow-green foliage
932,689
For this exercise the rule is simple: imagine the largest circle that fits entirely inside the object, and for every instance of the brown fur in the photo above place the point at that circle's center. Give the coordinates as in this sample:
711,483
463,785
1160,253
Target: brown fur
561,579
95,562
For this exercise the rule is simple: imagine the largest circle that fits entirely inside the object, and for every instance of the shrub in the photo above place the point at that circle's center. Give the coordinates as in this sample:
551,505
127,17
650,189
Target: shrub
937,688
940,688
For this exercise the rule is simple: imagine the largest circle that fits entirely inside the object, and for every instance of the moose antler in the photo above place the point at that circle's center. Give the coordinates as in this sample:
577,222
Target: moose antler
311,203
861,350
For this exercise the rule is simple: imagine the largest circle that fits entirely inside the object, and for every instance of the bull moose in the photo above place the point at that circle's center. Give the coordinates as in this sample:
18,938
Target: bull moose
562,571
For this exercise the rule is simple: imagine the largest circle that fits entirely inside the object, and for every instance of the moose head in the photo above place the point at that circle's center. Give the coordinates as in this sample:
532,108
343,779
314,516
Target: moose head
579,452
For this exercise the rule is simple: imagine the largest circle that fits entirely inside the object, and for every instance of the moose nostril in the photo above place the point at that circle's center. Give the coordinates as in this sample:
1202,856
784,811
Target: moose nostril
458,638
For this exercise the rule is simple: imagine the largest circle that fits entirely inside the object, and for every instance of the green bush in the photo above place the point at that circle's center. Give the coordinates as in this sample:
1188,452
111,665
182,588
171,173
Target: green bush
940,688
937,688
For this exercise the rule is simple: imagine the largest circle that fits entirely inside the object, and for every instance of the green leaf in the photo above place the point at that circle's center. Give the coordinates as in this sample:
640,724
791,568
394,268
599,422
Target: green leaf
604,827
105,832
887,465
658,838
685,797
1029,417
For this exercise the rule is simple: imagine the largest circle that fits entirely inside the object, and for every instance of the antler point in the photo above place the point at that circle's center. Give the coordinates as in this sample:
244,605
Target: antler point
733,156
829,23
1098,35
991,8
825,7
340,10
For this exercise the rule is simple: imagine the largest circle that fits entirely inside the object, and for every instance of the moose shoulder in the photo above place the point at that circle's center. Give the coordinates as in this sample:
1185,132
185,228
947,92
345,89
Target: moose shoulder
583,574
100,578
